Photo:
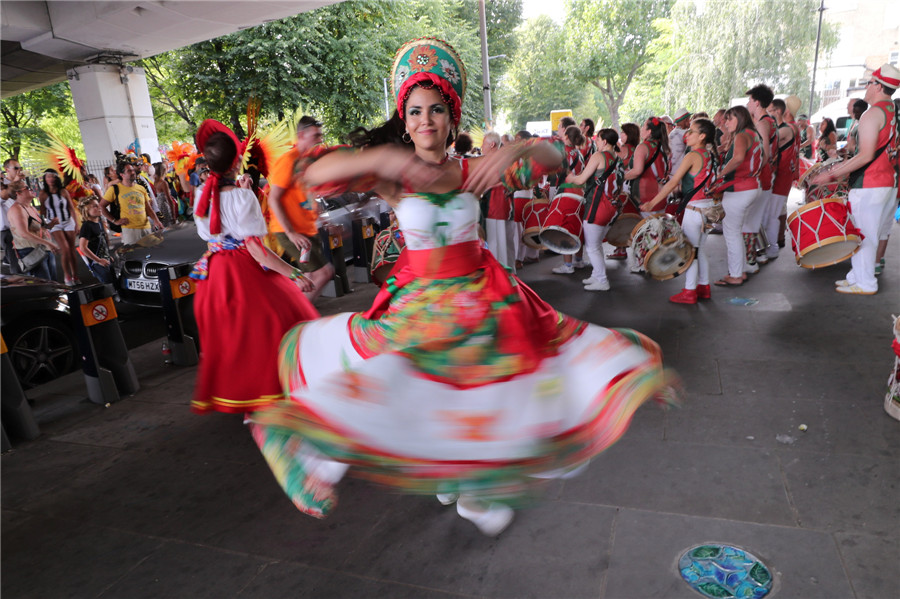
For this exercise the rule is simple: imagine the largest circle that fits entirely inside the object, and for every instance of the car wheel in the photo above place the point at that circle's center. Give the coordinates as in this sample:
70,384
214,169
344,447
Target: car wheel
42,350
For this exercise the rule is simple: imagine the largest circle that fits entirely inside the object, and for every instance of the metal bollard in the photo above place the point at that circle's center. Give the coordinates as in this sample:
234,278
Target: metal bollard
332,238
363,246
16,413
108,371
177,290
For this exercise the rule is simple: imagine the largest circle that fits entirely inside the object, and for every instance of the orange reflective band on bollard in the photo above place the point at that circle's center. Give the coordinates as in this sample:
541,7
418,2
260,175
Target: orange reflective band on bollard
368,231
98,311
182,287
3,349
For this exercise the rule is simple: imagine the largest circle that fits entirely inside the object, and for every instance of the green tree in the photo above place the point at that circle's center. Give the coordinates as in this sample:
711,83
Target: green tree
539,79
753,42
607,43
23,117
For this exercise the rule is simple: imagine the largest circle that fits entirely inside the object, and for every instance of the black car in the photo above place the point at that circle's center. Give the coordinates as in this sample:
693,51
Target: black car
136,266
37,329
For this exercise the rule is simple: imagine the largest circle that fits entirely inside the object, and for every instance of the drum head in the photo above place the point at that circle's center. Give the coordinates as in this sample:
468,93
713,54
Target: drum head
666,261
559,240
531,238
619,234
831,252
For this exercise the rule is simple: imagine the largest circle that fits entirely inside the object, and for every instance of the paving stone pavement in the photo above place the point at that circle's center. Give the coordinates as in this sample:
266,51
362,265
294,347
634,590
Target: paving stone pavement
144,499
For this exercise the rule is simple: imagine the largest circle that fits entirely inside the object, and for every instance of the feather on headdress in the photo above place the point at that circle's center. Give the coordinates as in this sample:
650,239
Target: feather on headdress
57,155
182,156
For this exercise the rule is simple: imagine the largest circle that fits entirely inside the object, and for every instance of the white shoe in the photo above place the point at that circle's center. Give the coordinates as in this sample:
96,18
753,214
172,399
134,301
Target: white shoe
447,498
842,283
762,259
854,290
751,268
564,269
588,281
597,286
491,518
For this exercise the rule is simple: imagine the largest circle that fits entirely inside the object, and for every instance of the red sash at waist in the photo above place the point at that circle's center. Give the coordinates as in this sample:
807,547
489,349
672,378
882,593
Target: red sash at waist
455,260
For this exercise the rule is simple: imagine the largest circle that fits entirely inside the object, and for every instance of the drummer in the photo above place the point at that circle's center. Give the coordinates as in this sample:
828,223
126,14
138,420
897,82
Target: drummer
785,163
856,108
628,141
649,166
600,171
695,173
574,140
873,178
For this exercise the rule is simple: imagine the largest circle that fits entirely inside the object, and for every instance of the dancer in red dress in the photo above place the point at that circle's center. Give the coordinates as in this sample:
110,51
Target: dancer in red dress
247,298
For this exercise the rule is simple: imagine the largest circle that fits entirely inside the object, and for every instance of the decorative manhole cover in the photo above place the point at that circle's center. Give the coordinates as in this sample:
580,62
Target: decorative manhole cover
723,571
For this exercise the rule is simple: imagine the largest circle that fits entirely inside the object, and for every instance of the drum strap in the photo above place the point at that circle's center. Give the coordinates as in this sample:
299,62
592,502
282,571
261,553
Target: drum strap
598,190
687,197
635,184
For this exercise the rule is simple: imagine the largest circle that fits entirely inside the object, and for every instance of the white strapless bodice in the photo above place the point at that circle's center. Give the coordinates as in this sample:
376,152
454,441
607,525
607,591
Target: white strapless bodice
427,226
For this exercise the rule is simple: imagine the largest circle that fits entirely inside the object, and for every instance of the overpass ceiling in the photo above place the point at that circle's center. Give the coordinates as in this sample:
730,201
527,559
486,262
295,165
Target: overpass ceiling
41,40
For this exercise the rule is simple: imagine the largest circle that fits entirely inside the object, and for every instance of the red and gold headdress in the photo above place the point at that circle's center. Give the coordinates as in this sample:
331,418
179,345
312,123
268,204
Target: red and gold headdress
264,148
433,62
209,199
58,156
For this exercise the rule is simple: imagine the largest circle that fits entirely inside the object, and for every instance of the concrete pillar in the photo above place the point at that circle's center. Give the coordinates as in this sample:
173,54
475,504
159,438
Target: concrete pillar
113,107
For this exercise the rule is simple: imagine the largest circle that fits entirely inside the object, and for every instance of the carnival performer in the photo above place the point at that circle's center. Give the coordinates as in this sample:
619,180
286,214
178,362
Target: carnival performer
872,177
629,140
521,197
786,158
573,144
740,185
649,166
500,227
695,174
601,196
807,137
459,380
761,97
826,144
247,297
58,208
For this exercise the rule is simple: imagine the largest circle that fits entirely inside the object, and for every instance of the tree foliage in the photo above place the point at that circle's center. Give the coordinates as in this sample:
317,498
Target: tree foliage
23,117
728,46
539,80
607,43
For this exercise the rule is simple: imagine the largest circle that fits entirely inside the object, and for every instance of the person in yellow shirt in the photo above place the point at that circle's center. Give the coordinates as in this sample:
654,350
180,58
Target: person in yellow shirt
135,212
294,222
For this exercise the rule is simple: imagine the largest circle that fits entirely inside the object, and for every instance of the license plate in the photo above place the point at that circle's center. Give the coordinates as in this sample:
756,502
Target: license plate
142,285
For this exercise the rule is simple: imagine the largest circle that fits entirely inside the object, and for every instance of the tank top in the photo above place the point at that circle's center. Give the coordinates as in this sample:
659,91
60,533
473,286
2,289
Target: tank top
767,174
785,168
807,151
689,181
57,206
745,175
647,185
882,171
34,226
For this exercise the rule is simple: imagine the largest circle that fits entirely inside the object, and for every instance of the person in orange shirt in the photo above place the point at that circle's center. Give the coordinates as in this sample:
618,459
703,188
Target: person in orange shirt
294,222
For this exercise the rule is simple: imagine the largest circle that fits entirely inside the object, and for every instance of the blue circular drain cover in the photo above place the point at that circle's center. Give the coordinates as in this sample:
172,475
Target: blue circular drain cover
726,572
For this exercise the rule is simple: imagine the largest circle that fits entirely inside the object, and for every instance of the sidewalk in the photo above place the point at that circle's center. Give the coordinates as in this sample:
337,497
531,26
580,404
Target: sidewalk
145,499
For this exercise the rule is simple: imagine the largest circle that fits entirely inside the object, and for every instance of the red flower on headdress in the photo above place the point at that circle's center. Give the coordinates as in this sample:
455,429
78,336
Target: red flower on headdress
423,58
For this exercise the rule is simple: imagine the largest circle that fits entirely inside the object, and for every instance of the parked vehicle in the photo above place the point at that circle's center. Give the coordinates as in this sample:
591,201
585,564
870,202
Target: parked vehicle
37,329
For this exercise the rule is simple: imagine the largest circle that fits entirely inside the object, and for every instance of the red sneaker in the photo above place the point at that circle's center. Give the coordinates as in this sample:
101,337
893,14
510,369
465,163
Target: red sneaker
687,296
703,292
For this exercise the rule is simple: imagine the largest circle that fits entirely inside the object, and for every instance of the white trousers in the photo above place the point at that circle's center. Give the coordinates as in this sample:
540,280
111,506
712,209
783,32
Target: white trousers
770,222
593,247
754,217
523,251
692,225
736,204
869,208
133,235
501,239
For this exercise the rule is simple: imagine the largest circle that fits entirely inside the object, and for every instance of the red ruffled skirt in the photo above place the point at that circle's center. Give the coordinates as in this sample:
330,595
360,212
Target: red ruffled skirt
242,313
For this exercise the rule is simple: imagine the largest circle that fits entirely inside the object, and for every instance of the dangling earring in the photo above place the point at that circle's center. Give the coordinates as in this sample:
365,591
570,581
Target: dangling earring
405,137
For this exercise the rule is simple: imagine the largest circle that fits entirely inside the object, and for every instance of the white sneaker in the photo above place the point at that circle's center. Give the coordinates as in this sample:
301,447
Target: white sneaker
491,518
597,286
588,281
447,498
763,259
751,268
565,268
854,290
842,283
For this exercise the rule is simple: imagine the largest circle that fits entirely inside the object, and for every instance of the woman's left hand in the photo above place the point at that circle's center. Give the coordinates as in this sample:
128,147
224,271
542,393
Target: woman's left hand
488,170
